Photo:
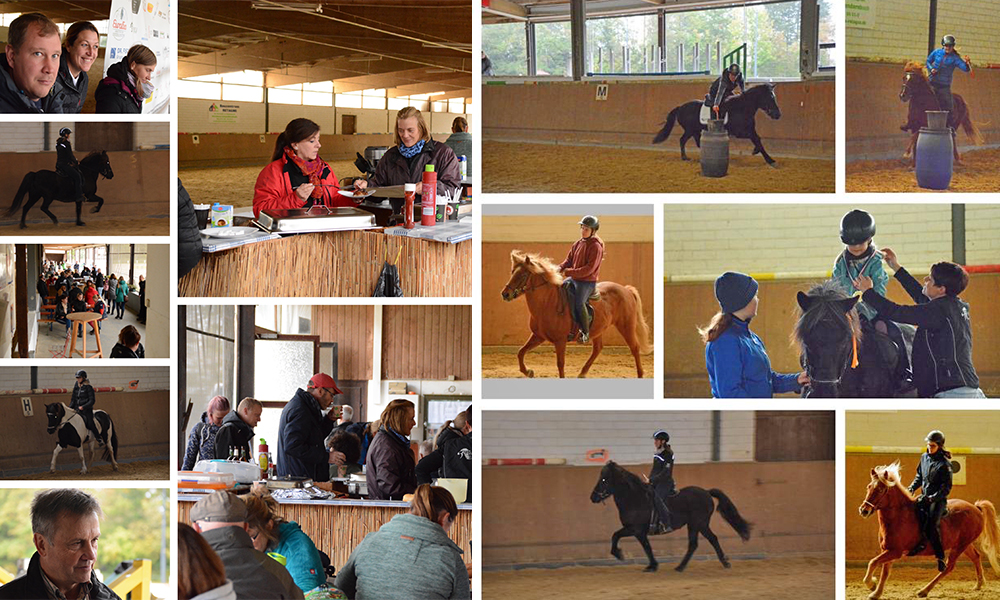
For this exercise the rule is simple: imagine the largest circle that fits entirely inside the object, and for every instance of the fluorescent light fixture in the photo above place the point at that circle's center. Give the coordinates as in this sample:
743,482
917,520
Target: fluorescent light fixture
287,6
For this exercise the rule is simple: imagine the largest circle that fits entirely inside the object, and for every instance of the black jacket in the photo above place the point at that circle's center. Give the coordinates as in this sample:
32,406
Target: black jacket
389,468
115,94
73,95
122,351
302,429
188,236
43,289
722,88
942,348
12,101
30,586
65,156
83,397
661,476
933,476
233,432
451,460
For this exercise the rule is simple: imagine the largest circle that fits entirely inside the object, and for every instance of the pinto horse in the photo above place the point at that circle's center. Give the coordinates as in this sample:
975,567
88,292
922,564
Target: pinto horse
540,281
742,111
899,530
691,506
73,433
918,93
50,186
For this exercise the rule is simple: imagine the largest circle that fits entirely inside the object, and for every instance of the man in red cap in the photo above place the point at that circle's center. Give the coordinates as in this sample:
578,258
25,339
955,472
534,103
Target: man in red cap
303,427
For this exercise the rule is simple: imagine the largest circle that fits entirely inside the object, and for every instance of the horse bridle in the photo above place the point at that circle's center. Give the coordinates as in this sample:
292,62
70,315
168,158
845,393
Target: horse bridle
522,286
605,492
851,361
882,495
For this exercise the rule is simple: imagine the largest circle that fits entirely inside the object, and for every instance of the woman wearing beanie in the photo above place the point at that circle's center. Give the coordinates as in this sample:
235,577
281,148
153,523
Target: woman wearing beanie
738,366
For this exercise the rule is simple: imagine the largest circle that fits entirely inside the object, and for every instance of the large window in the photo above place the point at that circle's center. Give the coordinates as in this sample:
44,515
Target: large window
238,86
120,260
608,39
140,263
504,44
211,355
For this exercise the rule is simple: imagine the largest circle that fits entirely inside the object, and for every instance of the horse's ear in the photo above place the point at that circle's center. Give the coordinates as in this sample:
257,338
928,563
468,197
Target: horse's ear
804,301
527,259
874,474
847,304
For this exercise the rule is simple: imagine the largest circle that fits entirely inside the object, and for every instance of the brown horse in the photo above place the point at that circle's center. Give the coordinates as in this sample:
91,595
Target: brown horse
899,530
539,279
917,91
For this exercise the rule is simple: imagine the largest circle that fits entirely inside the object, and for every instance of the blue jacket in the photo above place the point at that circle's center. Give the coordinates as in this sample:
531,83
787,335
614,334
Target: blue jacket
738,366
302,558
945,64
845,271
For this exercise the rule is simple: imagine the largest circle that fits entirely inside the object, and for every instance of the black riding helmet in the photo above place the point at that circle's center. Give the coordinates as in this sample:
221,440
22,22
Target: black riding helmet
948,40
733,69
81,373
856,227
590,221
661,435
64,131
935,436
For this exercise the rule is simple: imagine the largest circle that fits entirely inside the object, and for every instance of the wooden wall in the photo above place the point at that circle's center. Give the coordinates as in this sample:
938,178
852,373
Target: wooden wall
795,435
352,327
426,342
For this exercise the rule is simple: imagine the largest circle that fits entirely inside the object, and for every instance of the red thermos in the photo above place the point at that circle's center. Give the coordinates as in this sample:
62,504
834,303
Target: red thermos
428,197
410,190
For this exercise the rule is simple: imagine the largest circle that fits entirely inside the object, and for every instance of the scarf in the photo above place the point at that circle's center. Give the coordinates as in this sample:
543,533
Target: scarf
413,150
311,169
399,436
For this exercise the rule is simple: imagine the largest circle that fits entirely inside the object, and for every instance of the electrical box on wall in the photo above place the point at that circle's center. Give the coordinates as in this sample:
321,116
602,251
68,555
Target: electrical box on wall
958,470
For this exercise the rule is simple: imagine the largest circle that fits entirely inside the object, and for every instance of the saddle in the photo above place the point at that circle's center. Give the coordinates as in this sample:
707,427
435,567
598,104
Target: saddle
888,351
567,299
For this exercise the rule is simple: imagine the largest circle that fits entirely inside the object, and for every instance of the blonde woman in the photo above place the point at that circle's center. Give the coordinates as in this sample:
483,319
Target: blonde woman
390,462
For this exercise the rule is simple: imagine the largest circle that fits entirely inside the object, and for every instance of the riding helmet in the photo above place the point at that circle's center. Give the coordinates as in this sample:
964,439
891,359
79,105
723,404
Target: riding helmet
733,69
948,40
81,373
590,221
935,436
65,131
661,435
856,227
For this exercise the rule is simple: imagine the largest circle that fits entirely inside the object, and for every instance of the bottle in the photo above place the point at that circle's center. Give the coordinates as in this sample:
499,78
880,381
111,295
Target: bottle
428,196
262,458
463,167
270,466
232,454
244,457
410,190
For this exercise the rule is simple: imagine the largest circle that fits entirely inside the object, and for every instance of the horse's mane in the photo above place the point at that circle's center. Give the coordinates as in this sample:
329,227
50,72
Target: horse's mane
827,293
628,478
539,265
889,475
95,154
916,68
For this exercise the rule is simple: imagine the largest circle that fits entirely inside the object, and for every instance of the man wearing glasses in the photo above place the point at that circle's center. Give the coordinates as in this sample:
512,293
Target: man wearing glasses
303,427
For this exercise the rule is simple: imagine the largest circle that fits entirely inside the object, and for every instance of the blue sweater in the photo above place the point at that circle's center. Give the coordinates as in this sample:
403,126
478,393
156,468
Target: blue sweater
845,272
945,64
302,558
738,366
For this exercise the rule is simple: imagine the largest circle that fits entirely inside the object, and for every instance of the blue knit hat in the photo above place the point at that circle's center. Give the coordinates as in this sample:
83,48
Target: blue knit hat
734,291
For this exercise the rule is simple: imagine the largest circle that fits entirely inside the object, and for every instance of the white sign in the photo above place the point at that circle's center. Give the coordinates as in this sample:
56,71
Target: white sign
26,406
145,22
860,14
220,112
602,91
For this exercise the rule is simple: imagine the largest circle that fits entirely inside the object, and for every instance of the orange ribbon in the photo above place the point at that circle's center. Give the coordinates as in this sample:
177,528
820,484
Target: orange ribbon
854,359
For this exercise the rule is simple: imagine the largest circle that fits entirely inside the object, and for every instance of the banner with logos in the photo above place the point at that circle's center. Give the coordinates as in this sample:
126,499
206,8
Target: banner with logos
145,22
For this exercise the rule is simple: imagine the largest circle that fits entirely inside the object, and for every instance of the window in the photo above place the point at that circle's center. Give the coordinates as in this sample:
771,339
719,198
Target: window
468,106
242,93
120,260
456,105
350,100
608,38
139,263
827,35
211,355
439,107
504,45
286,94
187,88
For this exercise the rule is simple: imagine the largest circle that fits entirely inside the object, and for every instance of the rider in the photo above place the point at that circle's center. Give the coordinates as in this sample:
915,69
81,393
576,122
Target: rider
934,479
661,477
941,63
723,87
581,268
67,165
860,257
83,401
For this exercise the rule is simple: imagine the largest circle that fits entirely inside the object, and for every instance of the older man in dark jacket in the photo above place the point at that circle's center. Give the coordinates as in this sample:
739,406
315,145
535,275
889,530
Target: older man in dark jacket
302,429
29,82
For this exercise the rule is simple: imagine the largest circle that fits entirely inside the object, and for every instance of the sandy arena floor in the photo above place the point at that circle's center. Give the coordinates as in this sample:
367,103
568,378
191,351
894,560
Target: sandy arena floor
773,579
979,173
613,362
234,185
905,581
153,470
514,167
91,227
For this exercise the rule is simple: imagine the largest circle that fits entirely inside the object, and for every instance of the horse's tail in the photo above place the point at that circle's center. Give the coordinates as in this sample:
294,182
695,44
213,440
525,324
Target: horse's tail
989,539
641,327
732,516
667,126
971,129
21,191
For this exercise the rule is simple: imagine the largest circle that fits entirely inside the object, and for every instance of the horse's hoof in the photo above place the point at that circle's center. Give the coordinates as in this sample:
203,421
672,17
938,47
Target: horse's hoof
651,568
725,564
114,467
23,226
922,594
52,470
679,568
617,554
773,164
874,596
529,373
870,584
93,210
80,223
685,158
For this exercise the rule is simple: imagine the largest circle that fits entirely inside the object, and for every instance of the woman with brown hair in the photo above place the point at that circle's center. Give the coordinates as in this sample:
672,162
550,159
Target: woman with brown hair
414,149
411,556
297,177
128,83
390,463
80,47
200,573
128,345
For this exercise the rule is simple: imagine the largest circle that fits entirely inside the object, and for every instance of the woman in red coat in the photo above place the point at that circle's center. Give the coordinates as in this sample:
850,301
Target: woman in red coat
297,177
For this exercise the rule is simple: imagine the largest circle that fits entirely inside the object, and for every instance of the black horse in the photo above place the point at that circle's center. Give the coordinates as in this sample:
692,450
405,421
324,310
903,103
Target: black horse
50,186
830,337
73,433
692,506
742,111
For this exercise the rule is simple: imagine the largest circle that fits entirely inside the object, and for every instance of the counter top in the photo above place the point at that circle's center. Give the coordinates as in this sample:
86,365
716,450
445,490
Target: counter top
340,502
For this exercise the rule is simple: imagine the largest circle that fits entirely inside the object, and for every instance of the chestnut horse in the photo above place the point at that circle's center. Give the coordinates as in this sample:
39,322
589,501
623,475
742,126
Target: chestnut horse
539,279
962,527
917,91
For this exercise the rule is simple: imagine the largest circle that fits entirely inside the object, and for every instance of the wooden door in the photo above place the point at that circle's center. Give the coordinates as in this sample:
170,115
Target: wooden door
348,124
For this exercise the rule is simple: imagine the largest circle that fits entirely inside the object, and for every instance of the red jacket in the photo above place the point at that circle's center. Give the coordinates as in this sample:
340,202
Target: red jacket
583,263
274,189
89,294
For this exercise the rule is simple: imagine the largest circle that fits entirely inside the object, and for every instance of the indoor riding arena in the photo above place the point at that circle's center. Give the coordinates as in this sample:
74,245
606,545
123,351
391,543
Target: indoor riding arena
880,41
574,100
136,398
136,197
544,537
875,438
550,231
789,248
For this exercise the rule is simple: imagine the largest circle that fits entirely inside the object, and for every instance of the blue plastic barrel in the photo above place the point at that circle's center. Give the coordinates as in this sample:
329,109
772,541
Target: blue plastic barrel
935,153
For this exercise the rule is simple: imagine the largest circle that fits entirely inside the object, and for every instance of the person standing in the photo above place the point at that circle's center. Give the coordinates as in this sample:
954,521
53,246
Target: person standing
933,478
390,467
121,295
237,428
142,299
942,63
303,427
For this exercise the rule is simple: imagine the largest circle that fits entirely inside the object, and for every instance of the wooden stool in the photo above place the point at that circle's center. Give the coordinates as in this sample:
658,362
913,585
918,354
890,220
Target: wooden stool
82,319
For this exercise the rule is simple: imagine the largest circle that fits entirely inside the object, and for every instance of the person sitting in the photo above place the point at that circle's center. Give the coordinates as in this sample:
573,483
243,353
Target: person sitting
460,142
452,459
62,309
200,572
349,445
581,269
83,400
28,70
411,556
221,518
128,83
80,46
201,440
934,480
297,177
237,428
128,345
69,167
724,87
390,467
661,478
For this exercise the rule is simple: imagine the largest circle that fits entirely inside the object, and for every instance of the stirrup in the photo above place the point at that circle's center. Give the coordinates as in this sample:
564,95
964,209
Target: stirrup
584,337
920,547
